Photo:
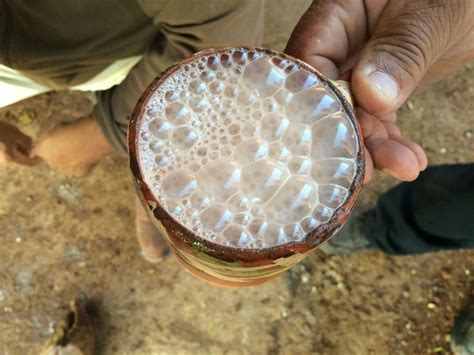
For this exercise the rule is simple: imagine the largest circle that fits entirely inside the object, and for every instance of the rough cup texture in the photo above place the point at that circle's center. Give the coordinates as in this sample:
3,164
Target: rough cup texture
247,149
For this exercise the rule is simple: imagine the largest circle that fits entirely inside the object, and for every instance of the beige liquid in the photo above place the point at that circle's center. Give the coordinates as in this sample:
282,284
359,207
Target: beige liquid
247,150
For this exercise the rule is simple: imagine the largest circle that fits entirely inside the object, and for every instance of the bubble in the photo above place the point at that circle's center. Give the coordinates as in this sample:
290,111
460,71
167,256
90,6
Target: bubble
236,236
219,179
179,185
198,104
213,63
216,87
334,137
185,137
337,171
274,126
174,208
297,139
309,224
249,151
273,235
263,77
160,128
200,202
171,96
197,87
216,217
157,146
269,105
300,166
250,129
234,129
293,231
300,80
283,96
279,152
332,195
230,91
322,213
238,203
177,113
242,219
226,62
257,227
293,201
239,57
260,180
312,105
245,98
162,160
207,76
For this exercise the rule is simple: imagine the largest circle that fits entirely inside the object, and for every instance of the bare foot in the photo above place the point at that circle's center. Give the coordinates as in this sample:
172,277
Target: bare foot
74,149
153,245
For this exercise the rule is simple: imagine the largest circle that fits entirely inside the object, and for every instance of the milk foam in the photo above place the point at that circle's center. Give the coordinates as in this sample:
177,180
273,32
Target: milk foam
247,149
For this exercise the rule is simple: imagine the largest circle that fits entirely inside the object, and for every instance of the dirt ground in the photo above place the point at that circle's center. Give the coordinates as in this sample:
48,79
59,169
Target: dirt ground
62,237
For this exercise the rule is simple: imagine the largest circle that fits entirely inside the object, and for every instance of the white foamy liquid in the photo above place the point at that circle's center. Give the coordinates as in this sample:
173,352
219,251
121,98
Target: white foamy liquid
247,150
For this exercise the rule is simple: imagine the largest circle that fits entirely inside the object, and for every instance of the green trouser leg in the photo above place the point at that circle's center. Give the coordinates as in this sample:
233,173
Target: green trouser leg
432,213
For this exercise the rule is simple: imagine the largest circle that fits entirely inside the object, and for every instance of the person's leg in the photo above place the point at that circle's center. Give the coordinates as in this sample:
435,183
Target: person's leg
432,213
153,246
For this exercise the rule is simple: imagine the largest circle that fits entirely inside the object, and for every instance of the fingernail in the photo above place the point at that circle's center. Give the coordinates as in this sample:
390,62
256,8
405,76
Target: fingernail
385,84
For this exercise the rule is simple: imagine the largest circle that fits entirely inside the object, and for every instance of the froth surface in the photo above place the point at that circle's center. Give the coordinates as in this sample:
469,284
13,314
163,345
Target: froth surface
247,149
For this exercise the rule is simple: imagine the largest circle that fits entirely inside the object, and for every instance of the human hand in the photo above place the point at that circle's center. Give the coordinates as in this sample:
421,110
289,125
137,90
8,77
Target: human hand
392,47
15,147
75,148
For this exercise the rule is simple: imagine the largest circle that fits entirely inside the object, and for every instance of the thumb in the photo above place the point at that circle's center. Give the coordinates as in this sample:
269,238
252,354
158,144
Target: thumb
408,37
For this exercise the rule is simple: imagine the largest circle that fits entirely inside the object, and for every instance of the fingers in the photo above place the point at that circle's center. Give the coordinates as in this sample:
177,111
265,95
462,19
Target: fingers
408,37
369,166
416,149
395,158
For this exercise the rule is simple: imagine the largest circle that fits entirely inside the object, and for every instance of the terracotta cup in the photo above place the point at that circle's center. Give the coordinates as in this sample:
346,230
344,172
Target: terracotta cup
229,266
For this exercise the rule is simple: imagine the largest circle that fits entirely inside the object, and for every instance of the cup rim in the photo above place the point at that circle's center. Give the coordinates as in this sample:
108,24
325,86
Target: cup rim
186,239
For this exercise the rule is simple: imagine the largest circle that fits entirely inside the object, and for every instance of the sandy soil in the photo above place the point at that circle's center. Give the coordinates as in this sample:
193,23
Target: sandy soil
62,237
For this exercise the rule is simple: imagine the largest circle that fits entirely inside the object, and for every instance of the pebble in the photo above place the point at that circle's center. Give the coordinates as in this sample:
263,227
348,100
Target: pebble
406,294
431,305
443,150
468,134
314,289
467,272
305,278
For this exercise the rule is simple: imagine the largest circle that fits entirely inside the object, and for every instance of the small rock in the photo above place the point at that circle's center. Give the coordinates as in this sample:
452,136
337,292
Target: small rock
305,278
431,305
467,272
314,289
410,105
406,294
468,134
443,150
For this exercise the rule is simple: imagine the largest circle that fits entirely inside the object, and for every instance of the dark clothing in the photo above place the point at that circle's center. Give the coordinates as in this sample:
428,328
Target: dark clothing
60,44
434,212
